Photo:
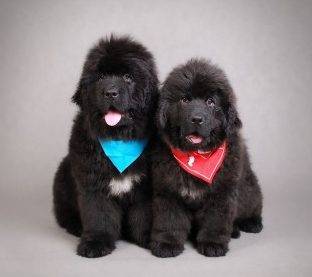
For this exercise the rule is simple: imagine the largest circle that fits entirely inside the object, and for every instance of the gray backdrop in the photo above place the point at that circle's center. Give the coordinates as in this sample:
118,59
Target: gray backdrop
265,48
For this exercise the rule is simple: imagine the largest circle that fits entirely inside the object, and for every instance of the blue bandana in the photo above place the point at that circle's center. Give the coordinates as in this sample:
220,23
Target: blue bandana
123,153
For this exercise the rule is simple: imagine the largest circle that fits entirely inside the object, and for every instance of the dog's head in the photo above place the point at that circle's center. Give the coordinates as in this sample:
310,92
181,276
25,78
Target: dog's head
197,107
117,89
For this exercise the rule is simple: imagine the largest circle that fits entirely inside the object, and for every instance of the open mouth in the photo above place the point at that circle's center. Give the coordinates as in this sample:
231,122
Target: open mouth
194,138
112,117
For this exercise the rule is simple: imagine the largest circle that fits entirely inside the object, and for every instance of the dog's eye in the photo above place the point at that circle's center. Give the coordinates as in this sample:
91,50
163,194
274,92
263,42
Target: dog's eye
127,78
184,100
210,102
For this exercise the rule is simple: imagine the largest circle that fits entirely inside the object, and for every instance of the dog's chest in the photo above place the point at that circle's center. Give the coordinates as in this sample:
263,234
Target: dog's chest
123,185
191,189
191,193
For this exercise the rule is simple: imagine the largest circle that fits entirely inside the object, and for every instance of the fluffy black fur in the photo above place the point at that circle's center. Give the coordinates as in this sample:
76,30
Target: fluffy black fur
119,74
197,99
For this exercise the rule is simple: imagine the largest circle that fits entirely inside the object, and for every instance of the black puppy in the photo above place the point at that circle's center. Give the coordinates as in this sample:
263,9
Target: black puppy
101,189
204,187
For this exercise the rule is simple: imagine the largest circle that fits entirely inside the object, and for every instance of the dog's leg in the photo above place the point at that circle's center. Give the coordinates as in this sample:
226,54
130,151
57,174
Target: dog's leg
215,223
250,225
171,226
250,205
64,200
101,220
139,223
236,232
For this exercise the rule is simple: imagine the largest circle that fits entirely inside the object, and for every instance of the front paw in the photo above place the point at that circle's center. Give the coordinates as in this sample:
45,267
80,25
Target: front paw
166,250
211,249
94,248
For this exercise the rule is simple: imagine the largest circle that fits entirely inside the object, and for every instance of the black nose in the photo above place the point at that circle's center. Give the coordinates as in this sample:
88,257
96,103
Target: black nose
197,120
112,93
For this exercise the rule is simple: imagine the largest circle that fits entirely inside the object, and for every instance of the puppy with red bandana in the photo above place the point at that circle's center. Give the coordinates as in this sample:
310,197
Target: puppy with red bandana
204,187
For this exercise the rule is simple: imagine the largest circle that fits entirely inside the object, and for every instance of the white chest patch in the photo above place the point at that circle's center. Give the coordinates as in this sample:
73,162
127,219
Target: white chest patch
190,193
123,185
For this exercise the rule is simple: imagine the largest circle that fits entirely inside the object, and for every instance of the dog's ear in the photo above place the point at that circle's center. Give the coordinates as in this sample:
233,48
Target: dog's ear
80,91
84,85
77,97
233,121
162,114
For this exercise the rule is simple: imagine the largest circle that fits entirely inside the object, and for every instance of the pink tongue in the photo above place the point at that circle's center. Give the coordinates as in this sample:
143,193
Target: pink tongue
195,139
112,118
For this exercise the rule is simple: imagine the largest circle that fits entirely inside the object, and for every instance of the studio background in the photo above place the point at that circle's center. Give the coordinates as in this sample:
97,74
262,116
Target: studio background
265,47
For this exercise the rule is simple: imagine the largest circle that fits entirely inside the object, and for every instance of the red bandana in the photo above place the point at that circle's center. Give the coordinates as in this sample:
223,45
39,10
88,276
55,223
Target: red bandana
203,165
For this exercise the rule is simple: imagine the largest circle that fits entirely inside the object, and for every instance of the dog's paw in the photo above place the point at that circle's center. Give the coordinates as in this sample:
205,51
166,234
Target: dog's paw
166,250
251,225
94,248
211,249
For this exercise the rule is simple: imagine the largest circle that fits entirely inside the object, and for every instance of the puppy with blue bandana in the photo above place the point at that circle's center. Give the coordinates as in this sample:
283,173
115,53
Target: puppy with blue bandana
101,188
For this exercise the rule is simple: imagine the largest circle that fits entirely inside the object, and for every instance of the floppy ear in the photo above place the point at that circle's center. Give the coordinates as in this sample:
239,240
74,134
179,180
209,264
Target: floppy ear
162,114
81,92
233,121
77,97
